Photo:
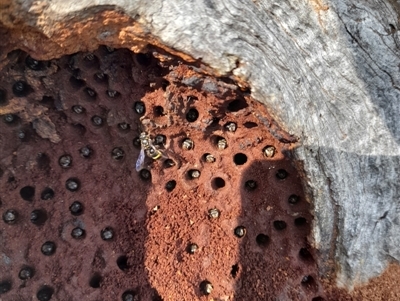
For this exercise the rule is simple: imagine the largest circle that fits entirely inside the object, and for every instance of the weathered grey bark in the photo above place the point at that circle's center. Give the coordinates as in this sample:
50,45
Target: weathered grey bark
329,73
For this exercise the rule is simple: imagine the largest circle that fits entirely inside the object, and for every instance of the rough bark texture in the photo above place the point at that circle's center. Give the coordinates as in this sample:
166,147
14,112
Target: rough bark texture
328,71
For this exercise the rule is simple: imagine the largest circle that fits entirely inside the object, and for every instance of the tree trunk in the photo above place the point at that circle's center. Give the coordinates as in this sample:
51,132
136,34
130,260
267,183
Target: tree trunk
327,70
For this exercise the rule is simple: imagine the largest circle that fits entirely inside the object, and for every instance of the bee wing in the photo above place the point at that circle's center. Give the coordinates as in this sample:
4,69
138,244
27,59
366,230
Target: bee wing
140,160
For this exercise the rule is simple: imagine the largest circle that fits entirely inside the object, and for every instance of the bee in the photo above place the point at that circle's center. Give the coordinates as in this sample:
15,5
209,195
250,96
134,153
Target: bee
147,148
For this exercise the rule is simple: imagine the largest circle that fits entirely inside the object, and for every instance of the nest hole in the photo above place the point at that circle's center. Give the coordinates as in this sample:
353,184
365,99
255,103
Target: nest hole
250,125
95,280
235,270
45,293
240,159
218,183
237,105
280,225
262,240
27,193
300,221
122,263
192,115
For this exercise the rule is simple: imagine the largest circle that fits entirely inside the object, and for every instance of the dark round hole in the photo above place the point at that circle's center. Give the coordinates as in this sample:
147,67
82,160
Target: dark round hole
240,231
113,93
90,93
192,248
279,225
165,84
136,142
78,109
107,233
86,151
293,199
65,161
10,216
130,296
72,184
170,185
95,281
214,122
235,270
78,233
309,283
169,163
218,183
48,248
26,272
117,153
38,217
300,221
318,299
79,129
143,59
250,125
192,115
97,120
20,89
10,119
160,139
158,111
5,286
47,194
145,175
123,126
27,193
108,49
43,161
237,105
240,159
45,293
76,83
3,97
305,254
206,287
47,101
281,174
139,107
101,77
250,185
33,64
76,208
23,135
122,262
262,240
91,61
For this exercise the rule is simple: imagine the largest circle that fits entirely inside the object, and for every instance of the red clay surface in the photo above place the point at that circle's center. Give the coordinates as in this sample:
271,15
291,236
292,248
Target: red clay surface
154,224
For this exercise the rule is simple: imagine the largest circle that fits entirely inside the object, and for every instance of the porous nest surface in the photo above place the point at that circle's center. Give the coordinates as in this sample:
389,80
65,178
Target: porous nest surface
221,215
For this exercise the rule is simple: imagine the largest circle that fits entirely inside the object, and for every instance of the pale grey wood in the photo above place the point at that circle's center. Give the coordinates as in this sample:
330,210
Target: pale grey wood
329,73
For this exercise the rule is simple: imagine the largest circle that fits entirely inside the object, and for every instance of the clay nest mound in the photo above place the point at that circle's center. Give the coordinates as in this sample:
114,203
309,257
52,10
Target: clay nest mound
212,209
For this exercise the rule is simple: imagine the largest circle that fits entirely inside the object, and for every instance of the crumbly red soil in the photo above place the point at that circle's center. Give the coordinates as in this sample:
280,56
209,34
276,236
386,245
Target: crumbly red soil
385,287
153,227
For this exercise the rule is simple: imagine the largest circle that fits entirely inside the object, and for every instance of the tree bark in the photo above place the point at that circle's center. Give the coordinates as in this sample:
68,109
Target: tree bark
328,71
